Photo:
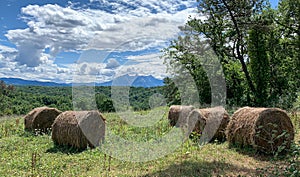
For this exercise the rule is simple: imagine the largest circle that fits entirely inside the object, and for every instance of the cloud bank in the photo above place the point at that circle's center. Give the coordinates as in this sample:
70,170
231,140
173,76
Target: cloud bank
108,25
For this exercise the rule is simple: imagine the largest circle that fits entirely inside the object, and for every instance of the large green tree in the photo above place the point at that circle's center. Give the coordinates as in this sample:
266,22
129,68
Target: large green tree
226,26
283,52
257,46
187,62
287,19
259,64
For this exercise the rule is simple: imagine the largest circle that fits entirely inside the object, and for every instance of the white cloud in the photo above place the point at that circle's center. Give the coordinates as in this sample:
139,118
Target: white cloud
136,34
43,72
142,7
139,33
112,63
150,64
7,56
6,49
54,27
91,72
46,71
114,25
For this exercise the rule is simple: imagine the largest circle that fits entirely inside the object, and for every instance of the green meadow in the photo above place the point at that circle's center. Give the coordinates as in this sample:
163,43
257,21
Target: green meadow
27,154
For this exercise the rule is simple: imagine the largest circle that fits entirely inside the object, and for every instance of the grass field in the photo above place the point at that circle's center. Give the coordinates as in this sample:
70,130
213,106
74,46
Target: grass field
25,154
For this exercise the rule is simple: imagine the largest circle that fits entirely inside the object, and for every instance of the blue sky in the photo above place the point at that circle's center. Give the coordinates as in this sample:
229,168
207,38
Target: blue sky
51,40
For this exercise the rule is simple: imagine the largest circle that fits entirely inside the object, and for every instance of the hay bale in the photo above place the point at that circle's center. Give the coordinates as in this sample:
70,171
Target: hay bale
40,119
217,120
196,122
178,115
210,123
265,129
79,129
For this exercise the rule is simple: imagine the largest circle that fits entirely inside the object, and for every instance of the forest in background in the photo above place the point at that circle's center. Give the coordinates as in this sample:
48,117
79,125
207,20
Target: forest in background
19,100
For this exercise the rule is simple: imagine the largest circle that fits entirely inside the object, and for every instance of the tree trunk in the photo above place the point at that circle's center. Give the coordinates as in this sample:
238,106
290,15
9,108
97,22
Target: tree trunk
239,47
248,78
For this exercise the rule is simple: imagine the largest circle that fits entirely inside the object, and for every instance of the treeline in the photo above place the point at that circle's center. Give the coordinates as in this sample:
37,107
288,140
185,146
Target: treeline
19,100
256,46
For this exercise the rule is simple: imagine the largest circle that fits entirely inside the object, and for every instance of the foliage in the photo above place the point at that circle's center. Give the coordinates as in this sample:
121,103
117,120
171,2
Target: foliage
290,167
236,87
257,46
180,59
283,51
226,28
259,65
20,100
288,21
171,92
296,105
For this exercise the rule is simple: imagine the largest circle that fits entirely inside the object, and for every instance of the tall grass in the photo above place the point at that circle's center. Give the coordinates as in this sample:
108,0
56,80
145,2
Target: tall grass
25,154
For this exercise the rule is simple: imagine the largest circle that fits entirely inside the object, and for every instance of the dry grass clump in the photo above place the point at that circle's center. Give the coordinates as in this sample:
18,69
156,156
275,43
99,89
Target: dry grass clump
268,130
79,129
178,115
40,119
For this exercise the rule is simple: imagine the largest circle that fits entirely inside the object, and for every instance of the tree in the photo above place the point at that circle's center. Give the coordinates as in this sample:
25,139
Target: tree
226,25
171,92
187,60
287,19
282,42
259,64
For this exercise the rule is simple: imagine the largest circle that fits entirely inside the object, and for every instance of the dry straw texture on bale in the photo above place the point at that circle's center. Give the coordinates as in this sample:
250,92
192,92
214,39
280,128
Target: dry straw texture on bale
196,121
266,129
79,129
217,120
40,119
210,123
178,115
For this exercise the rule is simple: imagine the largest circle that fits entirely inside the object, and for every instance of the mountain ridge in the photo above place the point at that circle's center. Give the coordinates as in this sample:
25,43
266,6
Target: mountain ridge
125,80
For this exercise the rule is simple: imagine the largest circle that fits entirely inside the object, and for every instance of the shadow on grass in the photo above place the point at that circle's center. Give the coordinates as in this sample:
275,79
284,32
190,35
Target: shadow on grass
215,168
258,155
64,149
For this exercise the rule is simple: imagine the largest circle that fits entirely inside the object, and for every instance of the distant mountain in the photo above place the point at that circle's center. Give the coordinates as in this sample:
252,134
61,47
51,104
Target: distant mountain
134,81
126,80
17,81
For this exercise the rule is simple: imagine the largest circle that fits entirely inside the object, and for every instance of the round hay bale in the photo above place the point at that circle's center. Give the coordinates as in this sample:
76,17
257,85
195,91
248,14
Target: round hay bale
178,115
217,120
210,123
79,129
40,119
196,121
267,130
